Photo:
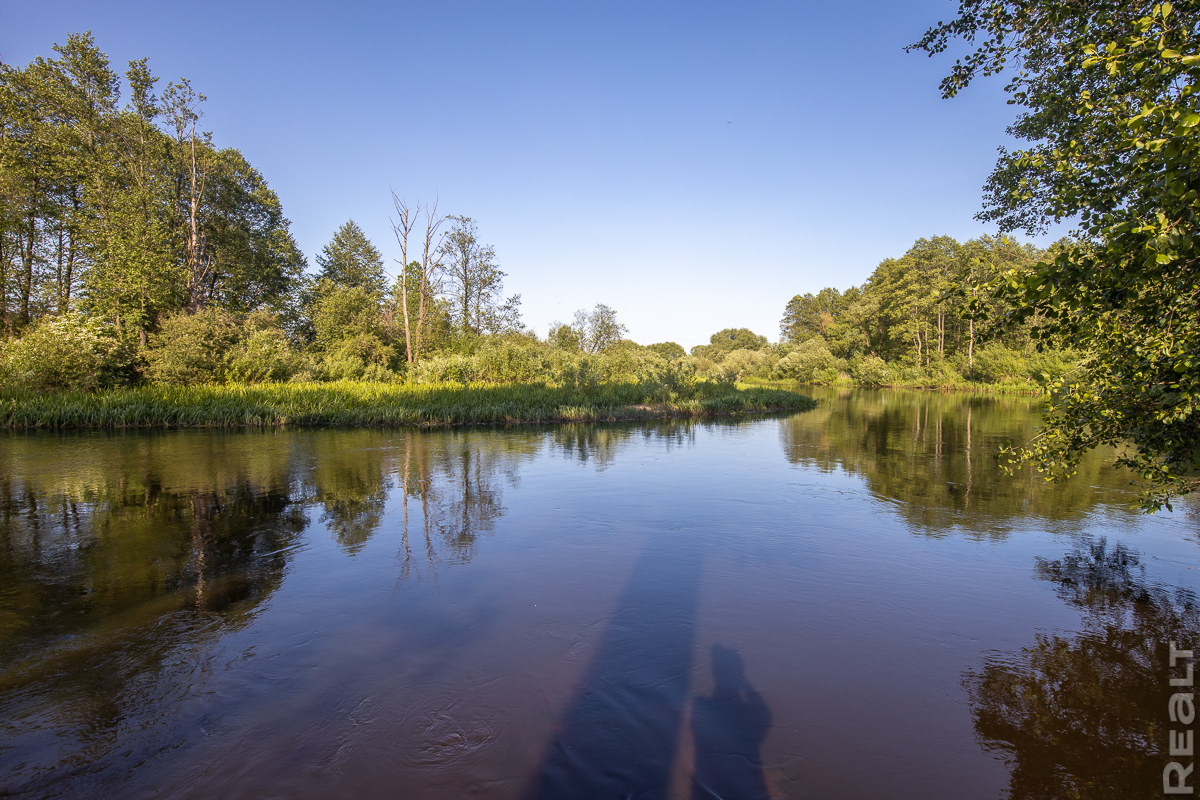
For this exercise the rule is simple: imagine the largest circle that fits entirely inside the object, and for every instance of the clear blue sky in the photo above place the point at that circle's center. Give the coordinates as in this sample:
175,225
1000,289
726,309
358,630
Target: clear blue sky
693,165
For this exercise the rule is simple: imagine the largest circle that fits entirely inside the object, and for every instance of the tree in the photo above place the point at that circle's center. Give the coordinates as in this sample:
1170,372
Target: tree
810,315
563,336
726,341
1110,112
423,276
599,330
476,282
351,260
668,350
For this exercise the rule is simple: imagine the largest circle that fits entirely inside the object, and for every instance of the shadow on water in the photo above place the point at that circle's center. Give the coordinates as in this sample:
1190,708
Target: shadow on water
729,727
620,736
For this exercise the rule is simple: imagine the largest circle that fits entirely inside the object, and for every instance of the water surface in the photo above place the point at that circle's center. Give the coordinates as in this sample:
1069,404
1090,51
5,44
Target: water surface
848,602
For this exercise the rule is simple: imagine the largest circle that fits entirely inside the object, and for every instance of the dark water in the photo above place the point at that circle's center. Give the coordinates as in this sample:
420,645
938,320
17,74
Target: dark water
847,603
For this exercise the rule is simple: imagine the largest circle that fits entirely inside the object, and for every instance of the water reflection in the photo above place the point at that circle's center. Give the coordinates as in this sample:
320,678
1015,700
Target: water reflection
935,453
108,592
1086,715
535,612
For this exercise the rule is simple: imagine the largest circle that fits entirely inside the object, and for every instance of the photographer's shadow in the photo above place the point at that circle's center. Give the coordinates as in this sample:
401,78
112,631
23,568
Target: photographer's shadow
729,727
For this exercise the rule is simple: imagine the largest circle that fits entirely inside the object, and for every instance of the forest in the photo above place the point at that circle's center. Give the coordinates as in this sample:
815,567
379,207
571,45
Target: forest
134,250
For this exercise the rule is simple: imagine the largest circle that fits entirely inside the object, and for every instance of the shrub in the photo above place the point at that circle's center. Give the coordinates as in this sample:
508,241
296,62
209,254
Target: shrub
62,352
871,370
361,358
261,356
191,348
807,362
1051,364
994,362
743,363
343,313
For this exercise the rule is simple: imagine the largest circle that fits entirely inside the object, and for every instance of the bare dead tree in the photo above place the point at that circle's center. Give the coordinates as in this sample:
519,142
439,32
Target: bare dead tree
403,226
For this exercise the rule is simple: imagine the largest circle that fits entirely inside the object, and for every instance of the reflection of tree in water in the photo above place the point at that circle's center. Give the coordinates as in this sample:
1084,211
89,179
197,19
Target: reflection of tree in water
935,453
114,582
1086,715
351,482
598,444
452,491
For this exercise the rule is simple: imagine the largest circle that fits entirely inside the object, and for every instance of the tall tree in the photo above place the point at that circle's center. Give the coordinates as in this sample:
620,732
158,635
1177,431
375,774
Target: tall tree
349,259
424,276
596,331
1111,114
475,281
809,315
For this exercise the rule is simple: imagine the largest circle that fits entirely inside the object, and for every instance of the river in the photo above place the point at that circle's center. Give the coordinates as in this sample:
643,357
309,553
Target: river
851,602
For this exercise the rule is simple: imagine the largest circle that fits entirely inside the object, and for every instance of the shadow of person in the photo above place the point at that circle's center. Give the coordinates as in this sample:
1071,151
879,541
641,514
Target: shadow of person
728,728
619,737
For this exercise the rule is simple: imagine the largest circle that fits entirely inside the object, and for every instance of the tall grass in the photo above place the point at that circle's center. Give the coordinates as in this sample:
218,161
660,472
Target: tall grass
374,403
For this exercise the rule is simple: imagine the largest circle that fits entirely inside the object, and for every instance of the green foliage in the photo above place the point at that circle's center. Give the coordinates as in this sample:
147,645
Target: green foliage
598,330
870,370
811,361
349,261
362,356
343,312
726,341
500,360
994,362
377,403
809,315
564,337
126,213
1110,109
668,350
191,348
62,352
263,355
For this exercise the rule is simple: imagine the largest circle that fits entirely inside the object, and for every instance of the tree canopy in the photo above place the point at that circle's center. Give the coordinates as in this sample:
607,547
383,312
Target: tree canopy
1107,92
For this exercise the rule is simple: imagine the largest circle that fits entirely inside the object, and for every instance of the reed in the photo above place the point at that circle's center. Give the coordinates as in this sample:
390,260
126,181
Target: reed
376,403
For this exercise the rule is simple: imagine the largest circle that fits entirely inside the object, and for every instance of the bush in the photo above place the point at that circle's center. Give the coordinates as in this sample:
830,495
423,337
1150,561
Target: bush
994,362
743,363
343,313
1051,364
871,371
807,362
62,352
191,348
262,356
360,358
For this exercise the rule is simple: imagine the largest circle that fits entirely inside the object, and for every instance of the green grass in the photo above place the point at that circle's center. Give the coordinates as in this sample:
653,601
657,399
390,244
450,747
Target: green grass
370,403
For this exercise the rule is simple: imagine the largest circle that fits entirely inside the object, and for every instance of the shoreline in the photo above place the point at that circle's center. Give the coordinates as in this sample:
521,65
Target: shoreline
369,404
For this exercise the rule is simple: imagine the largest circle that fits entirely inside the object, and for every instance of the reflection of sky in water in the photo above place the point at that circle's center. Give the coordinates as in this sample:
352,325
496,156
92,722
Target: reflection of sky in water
445,612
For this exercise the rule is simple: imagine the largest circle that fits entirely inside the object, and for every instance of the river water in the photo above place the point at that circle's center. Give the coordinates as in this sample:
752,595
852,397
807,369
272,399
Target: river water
850,602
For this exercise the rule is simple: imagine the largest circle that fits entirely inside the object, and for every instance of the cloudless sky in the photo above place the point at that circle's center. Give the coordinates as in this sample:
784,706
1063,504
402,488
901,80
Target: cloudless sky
693,165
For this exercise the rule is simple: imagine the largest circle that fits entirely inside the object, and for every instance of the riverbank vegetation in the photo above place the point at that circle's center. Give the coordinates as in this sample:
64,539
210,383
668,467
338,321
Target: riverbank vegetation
377,403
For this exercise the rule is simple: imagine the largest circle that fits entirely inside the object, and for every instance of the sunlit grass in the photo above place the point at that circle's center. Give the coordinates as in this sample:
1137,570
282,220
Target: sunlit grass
373,403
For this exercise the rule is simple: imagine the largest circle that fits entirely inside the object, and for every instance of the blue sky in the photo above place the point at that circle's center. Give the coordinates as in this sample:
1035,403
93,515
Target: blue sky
692,165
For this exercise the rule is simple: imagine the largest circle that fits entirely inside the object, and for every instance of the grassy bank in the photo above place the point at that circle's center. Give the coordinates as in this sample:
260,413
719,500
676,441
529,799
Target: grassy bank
370,403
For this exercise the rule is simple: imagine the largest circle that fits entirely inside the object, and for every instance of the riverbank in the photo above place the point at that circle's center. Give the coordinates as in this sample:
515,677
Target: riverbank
350,403
1010,387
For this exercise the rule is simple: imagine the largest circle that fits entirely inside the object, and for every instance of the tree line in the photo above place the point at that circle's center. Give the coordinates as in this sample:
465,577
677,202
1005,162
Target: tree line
132,247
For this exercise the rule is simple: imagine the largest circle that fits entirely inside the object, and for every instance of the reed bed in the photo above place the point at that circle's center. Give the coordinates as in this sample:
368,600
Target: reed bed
374,403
